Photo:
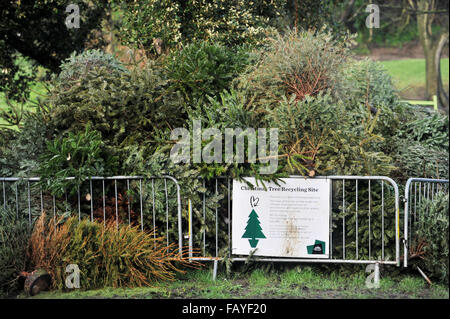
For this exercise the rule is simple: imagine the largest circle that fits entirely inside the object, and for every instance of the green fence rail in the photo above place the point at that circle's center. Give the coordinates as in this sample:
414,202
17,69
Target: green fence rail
433,103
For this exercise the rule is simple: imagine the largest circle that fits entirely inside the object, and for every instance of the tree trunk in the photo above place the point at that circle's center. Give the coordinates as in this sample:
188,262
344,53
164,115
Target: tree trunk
431,43
442,95
424,22
431,74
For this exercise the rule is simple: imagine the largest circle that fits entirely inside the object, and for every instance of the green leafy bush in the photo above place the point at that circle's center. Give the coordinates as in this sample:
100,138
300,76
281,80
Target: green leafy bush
416,159
420,146
78,65
80,156
428,129
298,87
20,154
204,68
432,230
366,88
126,109
15,233
299,63
227,22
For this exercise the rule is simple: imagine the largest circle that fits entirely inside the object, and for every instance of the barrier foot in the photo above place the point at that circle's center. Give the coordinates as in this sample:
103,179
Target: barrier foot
215,270
376,279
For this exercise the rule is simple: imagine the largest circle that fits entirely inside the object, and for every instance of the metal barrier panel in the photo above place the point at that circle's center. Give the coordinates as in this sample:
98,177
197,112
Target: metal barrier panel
122,198
365,225
416,191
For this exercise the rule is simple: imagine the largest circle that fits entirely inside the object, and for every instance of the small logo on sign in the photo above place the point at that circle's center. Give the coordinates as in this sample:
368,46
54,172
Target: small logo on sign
254,201
317,249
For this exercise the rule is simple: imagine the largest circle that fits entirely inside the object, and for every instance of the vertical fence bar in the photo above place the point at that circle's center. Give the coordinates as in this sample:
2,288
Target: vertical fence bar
117,205
153,207
79,203
190,228
17,199
406,242
4,195
167,210
92,199
29,202
217,224
229,217
420,195
331,219
142,207
415,200
180,219
382,220
370,237
343,219
128,200
204,219
54,206
432,192
356,221
42,202
104,200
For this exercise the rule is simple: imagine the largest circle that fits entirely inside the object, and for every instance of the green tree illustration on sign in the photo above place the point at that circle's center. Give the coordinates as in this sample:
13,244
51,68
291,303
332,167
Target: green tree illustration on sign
253,229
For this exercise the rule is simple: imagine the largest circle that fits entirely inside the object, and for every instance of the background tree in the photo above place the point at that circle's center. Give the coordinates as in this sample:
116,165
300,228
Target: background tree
36,30
157,25
430,13
432,20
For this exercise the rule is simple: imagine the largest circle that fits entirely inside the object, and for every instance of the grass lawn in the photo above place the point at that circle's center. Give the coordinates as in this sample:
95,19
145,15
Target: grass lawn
409,76
300,282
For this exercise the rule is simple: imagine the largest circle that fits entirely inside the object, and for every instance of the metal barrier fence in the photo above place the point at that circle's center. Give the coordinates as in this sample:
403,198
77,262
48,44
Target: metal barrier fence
364,212
99,197
416,191
364,228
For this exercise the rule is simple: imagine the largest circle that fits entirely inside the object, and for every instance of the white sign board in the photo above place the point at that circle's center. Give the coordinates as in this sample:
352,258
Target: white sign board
290,220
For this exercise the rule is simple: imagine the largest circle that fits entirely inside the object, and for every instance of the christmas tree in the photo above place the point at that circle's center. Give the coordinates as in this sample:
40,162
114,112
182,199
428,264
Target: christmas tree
253,229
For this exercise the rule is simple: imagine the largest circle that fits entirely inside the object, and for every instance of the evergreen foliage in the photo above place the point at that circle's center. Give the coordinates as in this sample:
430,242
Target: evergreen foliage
80,156
15,233
77,66
432,233
107,255
205,69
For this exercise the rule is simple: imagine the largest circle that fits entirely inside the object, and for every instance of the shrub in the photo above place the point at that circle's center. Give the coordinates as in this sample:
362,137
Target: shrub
431,230
366,88
416,159
15,233
204,68
428,129
78,65
107,255
80,155
299,63
126,109
420,146
20,155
